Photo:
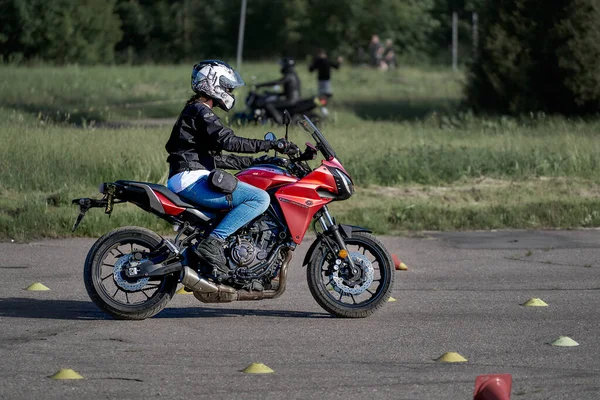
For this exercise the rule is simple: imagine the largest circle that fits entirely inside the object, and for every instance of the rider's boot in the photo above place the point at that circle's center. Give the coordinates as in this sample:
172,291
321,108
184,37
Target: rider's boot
212,252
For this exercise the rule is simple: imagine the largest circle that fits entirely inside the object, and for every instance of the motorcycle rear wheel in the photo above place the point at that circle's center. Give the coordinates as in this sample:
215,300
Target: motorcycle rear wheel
111,290
336,297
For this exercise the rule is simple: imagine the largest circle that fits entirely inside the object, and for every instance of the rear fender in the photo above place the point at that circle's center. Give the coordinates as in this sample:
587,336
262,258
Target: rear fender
345,230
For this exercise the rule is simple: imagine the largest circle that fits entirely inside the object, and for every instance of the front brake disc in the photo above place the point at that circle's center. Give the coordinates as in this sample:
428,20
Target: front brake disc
343,286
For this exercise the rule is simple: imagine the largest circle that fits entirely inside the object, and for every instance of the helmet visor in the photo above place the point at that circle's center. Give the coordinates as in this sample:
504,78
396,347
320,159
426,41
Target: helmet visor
231,81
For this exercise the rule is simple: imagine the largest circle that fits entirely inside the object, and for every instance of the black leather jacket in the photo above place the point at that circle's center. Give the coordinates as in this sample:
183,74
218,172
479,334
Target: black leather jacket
290,83
198,138
323,66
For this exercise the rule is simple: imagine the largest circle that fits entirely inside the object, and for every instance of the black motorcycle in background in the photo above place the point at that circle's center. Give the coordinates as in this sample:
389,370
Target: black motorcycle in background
315,108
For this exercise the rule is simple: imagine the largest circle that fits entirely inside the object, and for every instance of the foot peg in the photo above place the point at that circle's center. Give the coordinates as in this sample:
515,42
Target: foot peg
171,246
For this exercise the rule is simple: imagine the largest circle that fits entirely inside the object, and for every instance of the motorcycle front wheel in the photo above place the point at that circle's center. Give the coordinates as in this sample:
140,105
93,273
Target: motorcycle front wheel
108,286
350,291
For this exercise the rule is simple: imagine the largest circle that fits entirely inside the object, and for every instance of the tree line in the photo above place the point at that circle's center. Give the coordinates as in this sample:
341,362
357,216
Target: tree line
173,31
538,56
533,55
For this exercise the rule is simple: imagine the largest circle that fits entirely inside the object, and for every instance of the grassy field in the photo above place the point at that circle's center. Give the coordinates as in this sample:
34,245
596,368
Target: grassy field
419,161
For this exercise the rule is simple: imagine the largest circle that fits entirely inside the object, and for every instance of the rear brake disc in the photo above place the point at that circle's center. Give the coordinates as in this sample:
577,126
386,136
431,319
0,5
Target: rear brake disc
123,262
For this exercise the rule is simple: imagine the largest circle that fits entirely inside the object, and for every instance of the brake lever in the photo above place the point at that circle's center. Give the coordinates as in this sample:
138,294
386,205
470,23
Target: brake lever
311,146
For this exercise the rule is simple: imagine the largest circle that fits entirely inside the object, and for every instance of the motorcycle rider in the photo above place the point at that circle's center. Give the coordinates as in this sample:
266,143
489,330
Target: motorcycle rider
195,149
291,89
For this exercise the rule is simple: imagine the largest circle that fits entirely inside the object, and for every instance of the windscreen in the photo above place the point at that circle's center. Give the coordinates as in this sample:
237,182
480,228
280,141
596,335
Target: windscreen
320,140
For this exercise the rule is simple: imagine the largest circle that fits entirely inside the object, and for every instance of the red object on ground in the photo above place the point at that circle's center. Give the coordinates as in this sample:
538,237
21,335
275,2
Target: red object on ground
397,261
493,387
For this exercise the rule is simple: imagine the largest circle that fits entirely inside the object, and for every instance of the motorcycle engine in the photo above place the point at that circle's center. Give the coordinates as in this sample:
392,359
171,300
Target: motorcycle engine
254,245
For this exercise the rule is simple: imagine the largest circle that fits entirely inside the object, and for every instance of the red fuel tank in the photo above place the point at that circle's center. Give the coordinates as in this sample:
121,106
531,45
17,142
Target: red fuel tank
266,177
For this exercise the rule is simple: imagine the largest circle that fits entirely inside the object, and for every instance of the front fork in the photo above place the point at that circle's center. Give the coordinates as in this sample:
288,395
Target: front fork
329,226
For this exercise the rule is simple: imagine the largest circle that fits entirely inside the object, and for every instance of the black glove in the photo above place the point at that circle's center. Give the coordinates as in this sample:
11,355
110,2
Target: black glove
284,147
264,159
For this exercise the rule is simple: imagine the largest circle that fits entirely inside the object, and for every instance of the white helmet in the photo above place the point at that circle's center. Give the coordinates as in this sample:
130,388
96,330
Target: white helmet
216,79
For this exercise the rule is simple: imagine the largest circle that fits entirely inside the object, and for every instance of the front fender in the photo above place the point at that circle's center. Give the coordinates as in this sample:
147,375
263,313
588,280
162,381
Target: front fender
345,230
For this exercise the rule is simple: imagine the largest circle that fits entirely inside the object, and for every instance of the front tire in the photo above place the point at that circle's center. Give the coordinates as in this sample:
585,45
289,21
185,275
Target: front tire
343,293
111,290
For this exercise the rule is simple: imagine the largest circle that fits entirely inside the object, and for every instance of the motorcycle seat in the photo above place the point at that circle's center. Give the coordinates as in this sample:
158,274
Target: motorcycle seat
173,197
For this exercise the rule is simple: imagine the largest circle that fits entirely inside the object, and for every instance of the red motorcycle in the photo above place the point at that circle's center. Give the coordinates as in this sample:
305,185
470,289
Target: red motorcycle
132,272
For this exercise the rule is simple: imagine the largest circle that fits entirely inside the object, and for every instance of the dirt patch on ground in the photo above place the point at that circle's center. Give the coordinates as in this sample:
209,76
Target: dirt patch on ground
478,188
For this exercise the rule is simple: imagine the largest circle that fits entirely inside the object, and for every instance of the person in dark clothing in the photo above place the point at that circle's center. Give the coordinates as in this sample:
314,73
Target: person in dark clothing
389,56
195,148
323,66
291,90
375,51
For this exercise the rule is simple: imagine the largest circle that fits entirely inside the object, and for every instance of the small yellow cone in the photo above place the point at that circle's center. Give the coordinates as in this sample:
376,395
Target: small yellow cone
451,357
37,287
564,341
392,299
66,374
182,291
257,368
402,267
535,302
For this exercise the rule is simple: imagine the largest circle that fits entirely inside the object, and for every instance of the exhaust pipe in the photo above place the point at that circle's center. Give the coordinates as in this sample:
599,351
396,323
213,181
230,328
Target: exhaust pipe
192,281
205,291
208,292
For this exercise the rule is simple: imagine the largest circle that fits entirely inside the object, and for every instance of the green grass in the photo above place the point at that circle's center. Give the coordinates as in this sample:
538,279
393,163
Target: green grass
419,161
477,204
83,94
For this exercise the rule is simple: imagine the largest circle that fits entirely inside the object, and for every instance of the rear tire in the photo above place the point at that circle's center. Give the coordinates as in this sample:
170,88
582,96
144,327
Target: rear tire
100,284
331,296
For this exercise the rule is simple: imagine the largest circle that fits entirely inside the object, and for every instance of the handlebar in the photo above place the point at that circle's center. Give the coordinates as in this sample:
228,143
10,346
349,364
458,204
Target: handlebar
295,165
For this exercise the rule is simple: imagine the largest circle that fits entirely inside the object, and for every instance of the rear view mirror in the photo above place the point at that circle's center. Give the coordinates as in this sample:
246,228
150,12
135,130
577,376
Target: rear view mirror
287,118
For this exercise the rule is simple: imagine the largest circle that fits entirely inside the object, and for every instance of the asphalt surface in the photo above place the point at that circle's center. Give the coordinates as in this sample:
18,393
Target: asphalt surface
462,293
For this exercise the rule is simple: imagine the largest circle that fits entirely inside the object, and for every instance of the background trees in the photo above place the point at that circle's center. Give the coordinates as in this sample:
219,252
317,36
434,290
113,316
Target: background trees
538,56
172,31
533,55
61,31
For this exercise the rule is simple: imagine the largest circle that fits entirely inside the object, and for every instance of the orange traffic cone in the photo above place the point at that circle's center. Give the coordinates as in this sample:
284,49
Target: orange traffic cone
398,264
493,387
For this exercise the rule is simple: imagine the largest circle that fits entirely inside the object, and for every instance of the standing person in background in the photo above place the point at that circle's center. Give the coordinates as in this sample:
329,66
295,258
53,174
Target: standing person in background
323,66
389,56
375,51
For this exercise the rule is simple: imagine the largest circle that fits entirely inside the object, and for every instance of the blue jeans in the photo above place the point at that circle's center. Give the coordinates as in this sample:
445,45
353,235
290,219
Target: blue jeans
248,203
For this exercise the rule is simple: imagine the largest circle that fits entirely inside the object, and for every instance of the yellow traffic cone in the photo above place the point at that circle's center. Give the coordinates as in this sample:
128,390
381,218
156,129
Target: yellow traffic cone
535,302
182,291
451,357
66,374
37,287
257,368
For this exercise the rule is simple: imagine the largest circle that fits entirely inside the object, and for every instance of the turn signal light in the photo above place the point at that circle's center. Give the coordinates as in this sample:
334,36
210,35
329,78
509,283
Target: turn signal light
343,253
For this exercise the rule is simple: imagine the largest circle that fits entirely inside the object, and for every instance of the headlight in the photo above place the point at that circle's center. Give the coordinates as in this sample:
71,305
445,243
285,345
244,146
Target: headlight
344,184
